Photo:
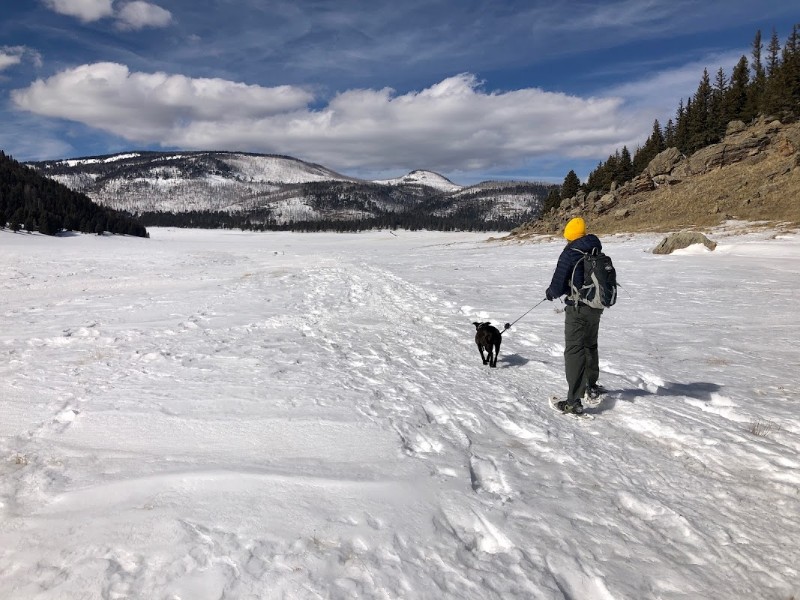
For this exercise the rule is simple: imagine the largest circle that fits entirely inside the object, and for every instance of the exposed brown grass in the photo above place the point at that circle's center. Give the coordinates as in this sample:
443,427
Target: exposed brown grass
766,190
763,428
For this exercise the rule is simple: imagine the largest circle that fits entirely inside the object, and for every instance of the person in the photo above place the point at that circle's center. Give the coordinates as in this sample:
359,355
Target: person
581,323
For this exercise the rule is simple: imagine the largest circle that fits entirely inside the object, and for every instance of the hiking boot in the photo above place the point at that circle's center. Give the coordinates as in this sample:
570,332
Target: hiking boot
593,392
574,408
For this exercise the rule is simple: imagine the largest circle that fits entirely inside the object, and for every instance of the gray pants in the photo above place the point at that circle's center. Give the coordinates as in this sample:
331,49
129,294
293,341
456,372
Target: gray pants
581,363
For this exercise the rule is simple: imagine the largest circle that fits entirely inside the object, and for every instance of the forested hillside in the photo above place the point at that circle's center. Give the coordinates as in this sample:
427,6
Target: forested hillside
359,206
731,153
767,85
32,202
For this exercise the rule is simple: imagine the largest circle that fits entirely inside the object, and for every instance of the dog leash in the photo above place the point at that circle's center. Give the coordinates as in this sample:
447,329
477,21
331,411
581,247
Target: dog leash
507,326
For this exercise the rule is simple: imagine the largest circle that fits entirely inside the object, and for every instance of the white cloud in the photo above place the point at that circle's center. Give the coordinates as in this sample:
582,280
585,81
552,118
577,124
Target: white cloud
14,55
151,107
138,15
132,15
8,59
85,10
623,15
451,125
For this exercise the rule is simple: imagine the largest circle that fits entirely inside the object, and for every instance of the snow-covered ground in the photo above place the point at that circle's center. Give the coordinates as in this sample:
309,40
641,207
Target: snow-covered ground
225,415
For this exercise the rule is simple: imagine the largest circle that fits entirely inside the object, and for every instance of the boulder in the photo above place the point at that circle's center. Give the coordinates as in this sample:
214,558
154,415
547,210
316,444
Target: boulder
666,180
664,162
607,202
788,141
682,239
735,127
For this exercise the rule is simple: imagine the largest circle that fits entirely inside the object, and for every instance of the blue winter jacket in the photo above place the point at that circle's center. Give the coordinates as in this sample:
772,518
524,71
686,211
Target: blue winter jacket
570,256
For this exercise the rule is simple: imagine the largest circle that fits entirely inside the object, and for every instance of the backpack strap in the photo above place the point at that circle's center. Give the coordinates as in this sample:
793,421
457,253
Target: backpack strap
575,294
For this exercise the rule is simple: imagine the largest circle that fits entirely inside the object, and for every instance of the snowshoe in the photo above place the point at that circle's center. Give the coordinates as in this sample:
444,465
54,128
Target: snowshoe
574,409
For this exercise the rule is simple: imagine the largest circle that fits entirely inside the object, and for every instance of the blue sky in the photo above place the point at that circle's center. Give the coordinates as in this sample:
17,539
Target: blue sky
471,89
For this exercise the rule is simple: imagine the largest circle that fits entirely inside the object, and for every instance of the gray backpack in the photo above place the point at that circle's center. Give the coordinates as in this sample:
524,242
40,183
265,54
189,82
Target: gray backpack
599,286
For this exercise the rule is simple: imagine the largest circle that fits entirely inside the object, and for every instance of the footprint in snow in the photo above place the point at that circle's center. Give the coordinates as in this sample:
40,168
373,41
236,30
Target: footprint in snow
475,531
65,418
486,476
514,430
416,443
436,414
576,581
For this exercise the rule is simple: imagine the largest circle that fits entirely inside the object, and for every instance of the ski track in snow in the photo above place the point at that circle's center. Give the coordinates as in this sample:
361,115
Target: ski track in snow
222,415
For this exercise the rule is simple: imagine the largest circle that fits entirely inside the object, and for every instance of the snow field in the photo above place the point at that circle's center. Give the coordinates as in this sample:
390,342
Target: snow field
238,415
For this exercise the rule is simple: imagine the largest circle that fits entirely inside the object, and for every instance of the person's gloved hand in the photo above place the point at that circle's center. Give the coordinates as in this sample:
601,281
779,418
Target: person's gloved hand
548,295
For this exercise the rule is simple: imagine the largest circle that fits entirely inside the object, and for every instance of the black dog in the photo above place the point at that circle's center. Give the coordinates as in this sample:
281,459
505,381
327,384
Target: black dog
488,338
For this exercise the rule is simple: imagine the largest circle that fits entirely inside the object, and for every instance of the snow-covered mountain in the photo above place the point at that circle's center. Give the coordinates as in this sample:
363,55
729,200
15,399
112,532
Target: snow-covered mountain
242,166
185,181
426,178
280,190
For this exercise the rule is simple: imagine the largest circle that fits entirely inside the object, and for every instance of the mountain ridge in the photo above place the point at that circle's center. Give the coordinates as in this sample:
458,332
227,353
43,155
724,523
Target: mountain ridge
270,190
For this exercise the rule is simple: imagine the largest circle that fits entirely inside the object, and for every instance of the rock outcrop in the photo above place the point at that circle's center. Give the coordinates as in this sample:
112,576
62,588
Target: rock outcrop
664,162
686,185
682,239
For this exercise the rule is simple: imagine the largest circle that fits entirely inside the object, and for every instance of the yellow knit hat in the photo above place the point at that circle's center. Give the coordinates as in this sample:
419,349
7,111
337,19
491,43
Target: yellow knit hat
575,229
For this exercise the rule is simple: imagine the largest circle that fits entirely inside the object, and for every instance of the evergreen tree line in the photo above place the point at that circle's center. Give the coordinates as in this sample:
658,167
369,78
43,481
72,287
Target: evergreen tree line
467,218
33,202
768,84
369,206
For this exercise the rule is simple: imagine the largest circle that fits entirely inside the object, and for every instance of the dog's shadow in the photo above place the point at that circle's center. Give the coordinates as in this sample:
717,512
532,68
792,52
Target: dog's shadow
513,360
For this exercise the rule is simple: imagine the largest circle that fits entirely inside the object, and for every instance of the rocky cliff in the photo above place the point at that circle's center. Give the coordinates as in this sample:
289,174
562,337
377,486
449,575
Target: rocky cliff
753,175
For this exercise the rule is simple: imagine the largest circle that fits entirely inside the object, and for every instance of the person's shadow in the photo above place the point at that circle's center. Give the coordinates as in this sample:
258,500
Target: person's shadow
699,390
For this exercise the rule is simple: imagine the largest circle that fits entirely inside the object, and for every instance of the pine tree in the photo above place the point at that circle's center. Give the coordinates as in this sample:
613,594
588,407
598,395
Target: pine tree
682,126
791,76
625,172
612,169
717,109
657,137
773,58
699,130
654,144
669,134
735,102
595,180
775,89
755,91
570,186
552,201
